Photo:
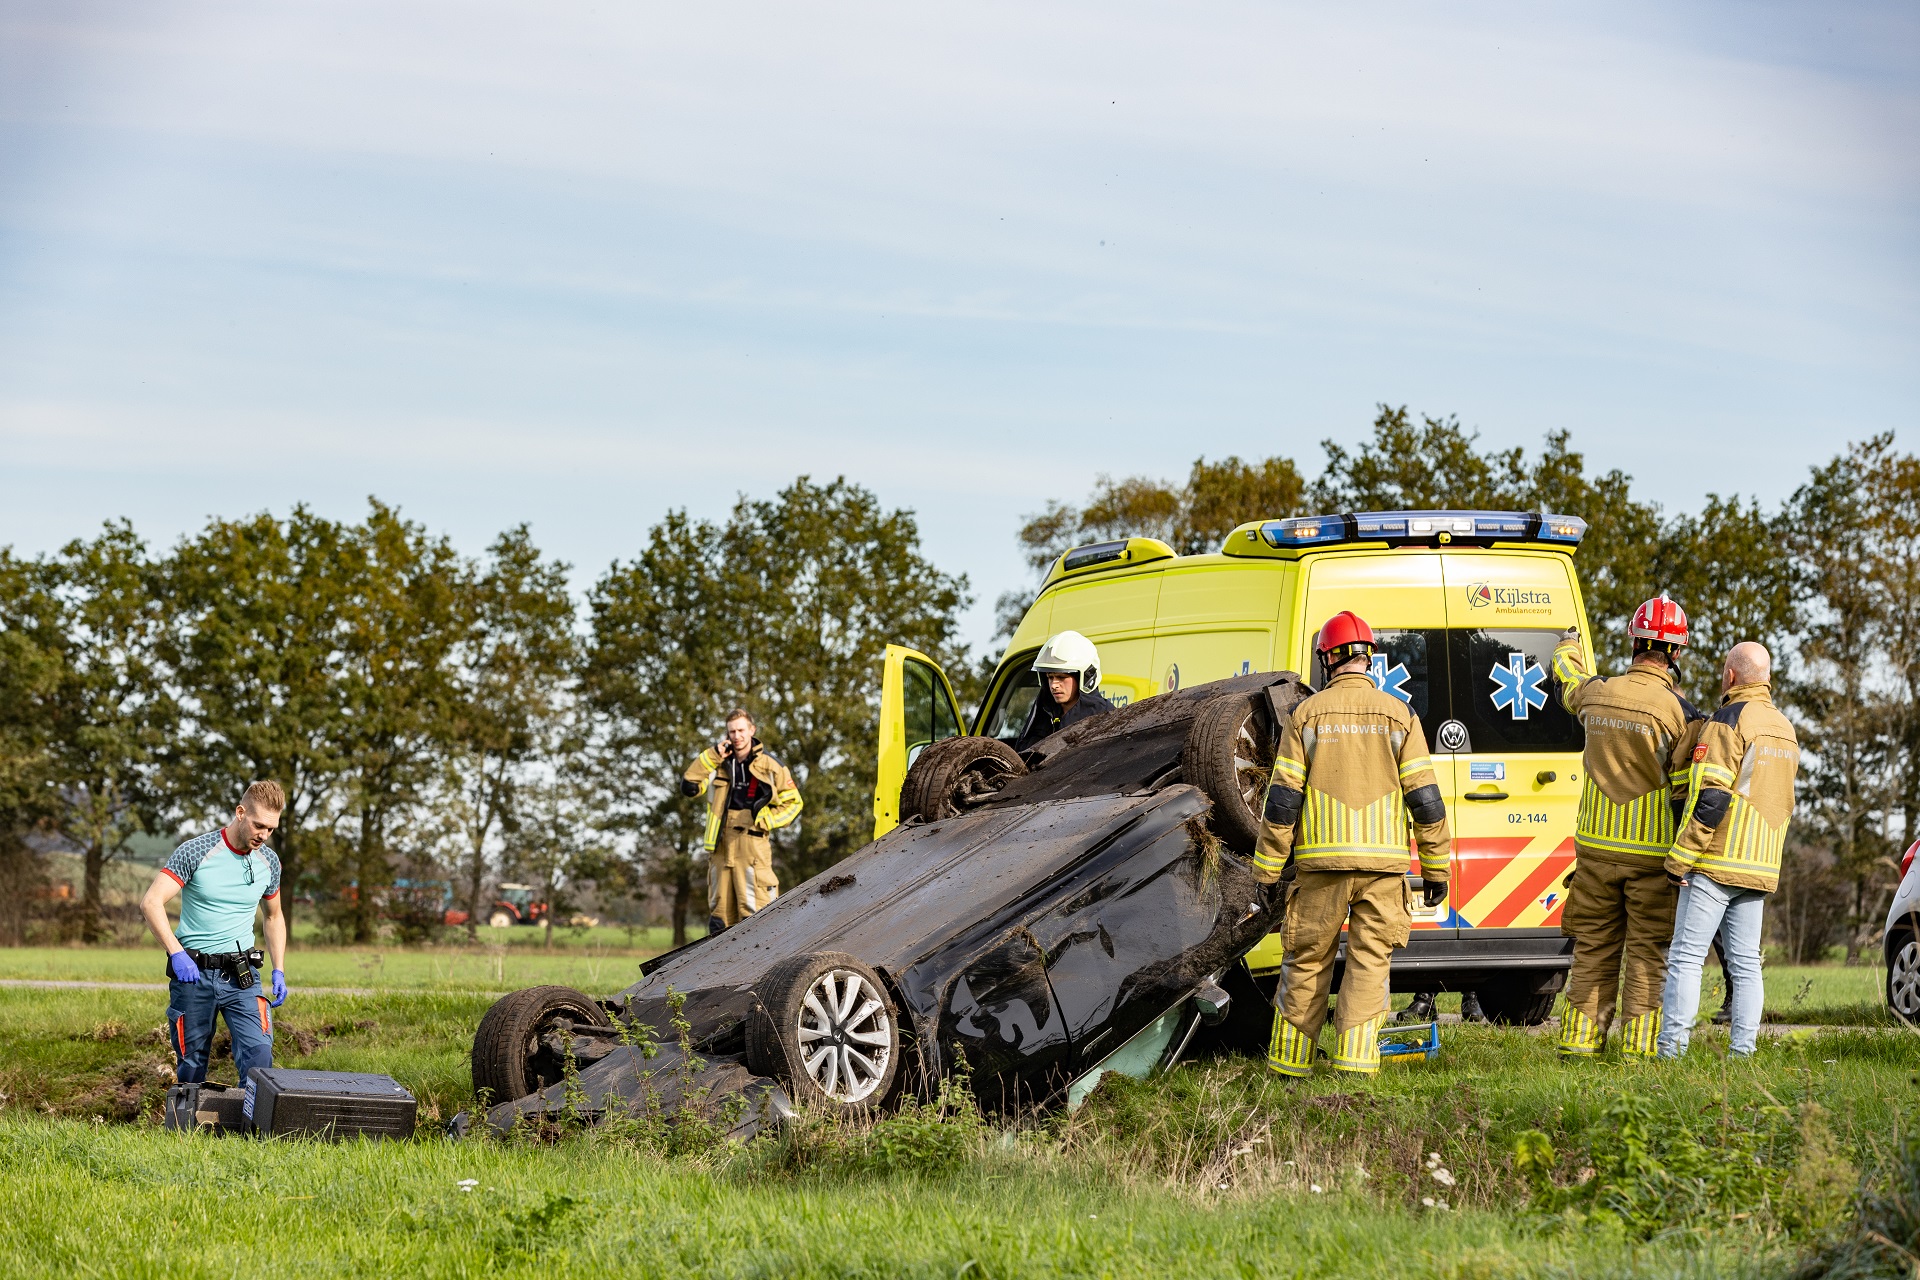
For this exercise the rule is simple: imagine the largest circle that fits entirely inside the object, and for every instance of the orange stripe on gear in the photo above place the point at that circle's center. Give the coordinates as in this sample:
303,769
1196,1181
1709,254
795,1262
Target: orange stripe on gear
1550,869
180,1033
266,1023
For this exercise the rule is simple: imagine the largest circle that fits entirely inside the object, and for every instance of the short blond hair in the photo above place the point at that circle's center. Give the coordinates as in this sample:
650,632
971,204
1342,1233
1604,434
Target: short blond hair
741,713
264,795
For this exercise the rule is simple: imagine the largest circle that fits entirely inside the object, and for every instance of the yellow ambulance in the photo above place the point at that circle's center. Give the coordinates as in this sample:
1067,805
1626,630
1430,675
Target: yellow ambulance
1466,607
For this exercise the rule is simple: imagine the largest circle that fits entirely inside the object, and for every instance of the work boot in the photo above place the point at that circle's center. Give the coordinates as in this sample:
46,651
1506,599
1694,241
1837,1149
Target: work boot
1421,1010
1470,1010
1724,1016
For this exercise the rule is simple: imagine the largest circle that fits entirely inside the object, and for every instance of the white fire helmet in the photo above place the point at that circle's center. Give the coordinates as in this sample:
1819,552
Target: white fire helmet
1073,653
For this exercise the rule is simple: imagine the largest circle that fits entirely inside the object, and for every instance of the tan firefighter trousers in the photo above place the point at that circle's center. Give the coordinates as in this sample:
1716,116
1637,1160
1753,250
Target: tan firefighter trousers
1377,910
739,871
1620,917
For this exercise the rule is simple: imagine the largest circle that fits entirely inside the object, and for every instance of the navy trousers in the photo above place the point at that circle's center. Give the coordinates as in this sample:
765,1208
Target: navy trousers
191,1007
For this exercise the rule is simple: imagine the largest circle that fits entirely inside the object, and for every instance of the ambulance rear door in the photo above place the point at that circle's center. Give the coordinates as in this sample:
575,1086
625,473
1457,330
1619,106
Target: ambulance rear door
1514,751
1401,594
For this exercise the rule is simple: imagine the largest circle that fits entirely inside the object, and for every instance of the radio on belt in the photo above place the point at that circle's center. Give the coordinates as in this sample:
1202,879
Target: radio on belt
333,1104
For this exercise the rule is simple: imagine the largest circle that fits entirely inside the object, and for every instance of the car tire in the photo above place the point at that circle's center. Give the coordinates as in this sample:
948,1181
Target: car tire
1514,1002
827,1029
952,774
1229,755
509,1061
1903,977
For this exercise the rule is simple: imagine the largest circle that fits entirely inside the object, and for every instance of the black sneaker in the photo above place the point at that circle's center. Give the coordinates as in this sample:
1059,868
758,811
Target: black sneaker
1725,1016
1421,1010
1470,1010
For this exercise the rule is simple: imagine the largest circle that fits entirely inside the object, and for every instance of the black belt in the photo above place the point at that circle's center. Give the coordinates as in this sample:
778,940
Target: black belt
239,966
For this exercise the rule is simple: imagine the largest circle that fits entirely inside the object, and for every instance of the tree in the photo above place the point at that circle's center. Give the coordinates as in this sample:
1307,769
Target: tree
398,687
109,712
256,649
29,682
785,609
511,671
656,676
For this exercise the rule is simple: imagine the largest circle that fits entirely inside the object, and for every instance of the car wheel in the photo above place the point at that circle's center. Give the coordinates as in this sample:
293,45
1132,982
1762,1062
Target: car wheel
953,775
1514,1002
509,1059
1229,755
1903,980
500,920
828,1031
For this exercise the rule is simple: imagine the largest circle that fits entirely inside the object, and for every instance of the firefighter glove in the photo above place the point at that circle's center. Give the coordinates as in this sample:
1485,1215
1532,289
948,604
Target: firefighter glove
1678,882
279,990
1433,892
184,969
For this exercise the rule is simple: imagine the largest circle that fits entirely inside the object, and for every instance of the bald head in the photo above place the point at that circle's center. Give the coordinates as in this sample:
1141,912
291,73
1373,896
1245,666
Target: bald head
1748,663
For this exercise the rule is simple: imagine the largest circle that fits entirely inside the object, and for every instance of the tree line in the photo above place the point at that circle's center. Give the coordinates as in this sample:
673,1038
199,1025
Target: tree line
442,721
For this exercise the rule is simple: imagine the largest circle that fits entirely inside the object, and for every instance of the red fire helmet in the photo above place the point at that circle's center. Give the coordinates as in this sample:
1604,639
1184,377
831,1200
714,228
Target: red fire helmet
1659,620
1345,635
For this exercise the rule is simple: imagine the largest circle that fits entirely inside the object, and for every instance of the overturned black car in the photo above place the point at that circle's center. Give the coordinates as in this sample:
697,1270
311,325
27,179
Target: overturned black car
1041,919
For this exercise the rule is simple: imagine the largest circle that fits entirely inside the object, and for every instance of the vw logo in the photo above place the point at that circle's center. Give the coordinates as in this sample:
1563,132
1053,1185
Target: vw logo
1452,737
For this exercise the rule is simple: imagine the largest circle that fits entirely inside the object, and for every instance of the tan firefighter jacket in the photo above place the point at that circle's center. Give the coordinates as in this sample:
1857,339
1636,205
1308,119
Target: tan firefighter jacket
779,805
1351,770
1635,761
1740,793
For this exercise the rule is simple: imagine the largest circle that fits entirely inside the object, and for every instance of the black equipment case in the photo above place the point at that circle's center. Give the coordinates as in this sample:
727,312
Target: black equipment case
213,1107
334,1104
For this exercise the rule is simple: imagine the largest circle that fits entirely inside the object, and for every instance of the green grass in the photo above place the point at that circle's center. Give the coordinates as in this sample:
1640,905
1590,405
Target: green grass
596,967
124,1201
1209,1171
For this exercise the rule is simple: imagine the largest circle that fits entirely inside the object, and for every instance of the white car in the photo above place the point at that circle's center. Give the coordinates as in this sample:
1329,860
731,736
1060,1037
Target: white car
1903,942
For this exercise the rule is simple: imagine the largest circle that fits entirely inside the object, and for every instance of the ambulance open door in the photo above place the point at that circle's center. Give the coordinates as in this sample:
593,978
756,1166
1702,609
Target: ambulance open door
917,708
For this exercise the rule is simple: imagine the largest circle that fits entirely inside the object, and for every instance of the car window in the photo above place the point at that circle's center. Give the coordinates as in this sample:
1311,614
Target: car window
929,711
1502,695
1013,700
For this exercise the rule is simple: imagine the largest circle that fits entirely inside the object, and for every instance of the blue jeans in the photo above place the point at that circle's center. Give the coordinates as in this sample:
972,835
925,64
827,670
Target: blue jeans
191,1007
1707,907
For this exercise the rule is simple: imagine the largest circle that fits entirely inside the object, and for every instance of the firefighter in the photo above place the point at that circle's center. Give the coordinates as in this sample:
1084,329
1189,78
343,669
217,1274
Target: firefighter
1069,669
1727,857
1619,909
1351,770
751,796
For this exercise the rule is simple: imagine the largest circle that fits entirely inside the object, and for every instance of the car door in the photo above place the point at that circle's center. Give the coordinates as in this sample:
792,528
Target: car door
917,708
1514,751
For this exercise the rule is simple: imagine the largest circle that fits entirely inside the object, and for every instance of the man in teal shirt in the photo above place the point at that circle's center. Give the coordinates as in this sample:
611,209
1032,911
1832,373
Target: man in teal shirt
221,878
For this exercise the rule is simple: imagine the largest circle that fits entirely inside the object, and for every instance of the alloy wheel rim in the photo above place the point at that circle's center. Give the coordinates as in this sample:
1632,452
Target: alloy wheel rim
1903,981
846,1037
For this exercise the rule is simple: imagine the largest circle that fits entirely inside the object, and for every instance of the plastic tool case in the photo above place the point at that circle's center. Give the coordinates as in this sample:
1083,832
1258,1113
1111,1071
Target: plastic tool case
206,1106
335,1104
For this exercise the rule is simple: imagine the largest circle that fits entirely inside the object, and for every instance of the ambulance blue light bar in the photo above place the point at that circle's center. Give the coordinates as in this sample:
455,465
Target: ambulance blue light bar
1425,527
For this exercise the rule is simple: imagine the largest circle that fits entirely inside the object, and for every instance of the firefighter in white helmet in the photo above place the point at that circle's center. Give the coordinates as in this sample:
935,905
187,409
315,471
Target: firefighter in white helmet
1069,669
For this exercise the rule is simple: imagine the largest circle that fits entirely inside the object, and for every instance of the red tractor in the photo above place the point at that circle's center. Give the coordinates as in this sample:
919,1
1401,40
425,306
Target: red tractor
515,905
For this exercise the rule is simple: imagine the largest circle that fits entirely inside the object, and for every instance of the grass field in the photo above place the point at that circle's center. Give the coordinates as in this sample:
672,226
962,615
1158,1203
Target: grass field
1216,1169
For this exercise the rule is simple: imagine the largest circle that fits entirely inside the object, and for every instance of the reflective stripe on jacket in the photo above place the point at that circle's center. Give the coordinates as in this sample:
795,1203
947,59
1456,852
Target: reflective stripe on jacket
708,774
1350,777
1740,793
1635,759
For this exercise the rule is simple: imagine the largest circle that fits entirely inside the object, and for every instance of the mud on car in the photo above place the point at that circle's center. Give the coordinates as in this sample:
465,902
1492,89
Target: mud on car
1041,919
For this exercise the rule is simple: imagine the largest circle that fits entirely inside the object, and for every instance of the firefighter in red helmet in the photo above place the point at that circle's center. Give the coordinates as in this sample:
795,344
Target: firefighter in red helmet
1620,905
1352,789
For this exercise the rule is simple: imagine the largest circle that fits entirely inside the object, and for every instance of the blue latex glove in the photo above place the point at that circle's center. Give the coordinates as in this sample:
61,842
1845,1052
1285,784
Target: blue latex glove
184,969
279,990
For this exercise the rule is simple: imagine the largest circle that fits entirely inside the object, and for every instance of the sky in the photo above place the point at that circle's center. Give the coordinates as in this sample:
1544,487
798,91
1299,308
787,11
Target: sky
575,264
